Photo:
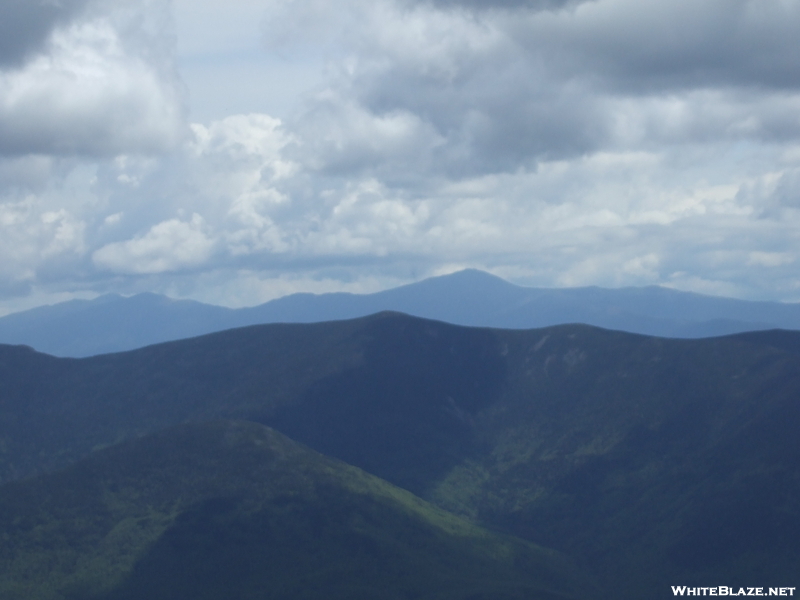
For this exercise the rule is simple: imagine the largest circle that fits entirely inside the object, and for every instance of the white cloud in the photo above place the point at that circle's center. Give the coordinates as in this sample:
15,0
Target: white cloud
168,246
34,240
234,168
225,176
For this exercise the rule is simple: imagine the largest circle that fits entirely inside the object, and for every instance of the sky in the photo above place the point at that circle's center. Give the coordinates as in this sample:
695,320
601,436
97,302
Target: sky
233,152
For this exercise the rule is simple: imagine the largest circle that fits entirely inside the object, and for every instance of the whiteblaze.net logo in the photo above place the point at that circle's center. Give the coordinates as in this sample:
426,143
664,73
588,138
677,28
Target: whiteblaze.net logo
722,590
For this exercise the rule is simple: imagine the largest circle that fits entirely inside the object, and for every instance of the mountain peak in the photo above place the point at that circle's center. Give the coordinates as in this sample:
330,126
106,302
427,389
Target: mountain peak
467,297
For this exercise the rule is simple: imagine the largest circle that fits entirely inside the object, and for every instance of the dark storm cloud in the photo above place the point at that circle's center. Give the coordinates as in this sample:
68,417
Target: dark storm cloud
499,114
662,46
507,89
101,86
26,24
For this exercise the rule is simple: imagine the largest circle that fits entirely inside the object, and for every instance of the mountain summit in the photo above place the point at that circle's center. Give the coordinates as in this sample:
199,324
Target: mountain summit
114,323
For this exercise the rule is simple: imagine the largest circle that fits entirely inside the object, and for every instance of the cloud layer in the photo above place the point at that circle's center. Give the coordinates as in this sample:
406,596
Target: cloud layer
608,142
96,82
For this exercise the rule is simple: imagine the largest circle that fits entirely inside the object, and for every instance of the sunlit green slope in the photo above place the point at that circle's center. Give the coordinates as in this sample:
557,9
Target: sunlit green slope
232,510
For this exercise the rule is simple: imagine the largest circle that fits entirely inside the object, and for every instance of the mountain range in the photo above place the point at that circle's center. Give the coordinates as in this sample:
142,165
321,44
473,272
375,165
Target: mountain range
113,323
647,462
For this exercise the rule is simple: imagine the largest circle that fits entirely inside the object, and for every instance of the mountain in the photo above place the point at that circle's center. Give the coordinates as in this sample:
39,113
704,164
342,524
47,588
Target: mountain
651,462
478,299
226,510
113,323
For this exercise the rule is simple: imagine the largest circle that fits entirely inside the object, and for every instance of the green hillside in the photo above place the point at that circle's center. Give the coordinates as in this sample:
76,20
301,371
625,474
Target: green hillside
229,510
651,462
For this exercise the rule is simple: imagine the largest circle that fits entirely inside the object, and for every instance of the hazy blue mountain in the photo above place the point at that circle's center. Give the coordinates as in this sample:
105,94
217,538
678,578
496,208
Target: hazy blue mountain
650,461
478,299
112,323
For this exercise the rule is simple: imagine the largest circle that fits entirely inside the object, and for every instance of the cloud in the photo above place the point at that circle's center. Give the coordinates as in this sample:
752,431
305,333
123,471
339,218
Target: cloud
503,90
783,190
37,240
225,176
167,246
441,93
650,45
101,85
230,204
25,26
770,259
339,137
486,5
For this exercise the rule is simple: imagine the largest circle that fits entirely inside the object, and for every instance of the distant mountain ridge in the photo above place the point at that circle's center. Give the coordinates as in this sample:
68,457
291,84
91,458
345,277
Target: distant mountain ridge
113,323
